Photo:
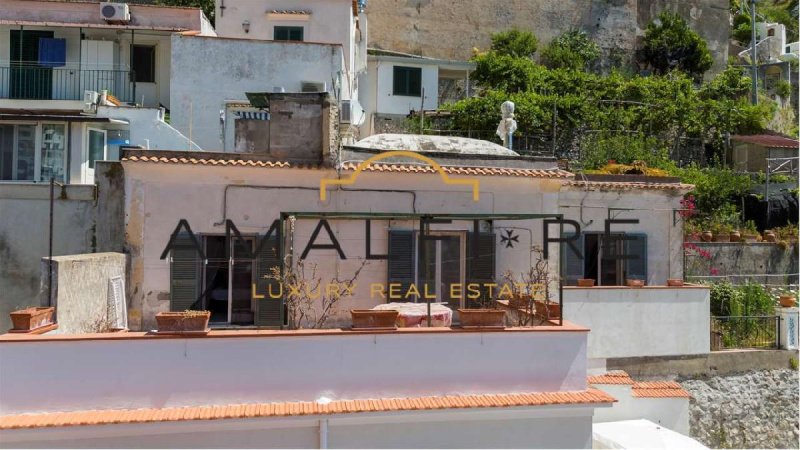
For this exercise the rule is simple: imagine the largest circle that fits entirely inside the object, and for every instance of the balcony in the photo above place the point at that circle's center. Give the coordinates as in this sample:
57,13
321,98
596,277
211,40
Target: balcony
45,83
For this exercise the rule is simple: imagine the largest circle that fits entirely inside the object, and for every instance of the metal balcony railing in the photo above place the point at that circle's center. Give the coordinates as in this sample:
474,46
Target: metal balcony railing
28,82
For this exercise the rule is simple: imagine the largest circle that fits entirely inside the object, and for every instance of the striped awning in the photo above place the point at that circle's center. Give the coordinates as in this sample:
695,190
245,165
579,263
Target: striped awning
248,115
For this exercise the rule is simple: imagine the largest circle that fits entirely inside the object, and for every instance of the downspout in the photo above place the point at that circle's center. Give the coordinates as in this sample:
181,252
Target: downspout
323,433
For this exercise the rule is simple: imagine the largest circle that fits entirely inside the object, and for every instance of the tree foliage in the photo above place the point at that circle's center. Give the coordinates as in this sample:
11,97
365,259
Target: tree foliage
516,43
670,44
571,50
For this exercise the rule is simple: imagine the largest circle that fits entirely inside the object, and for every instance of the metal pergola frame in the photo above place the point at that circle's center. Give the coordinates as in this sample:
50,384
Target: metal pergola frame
425,220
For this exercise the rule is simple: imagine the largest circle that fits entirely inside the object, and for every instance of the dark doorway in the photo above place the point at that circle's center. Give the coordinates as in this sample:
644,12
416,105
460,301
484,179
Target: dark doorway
29,80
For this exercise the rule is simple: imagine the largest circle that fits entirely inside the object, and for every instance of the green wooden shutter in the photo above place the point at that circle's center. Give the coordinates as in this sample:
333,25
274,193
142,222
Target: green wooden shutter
572,265
481,266
184,270
636,247
269,311
401,261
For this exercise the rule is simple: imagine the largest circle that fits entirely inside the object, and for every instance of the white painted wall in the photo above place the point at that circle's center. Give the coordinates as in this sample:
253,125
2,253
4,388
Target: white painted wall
147,128
382,87
158,196
539,427
649,321
207,72
654,210
155,372
670,412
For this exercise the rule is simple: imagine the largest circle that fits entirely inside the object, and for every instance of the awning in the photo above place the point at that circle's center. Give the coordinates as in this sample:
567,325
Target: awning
247,115
639,434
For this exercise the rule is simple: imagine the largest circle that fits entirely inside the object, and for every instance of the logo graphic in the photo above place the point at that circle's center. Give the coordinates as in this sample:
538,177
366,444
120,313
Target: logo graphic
325,182
509,238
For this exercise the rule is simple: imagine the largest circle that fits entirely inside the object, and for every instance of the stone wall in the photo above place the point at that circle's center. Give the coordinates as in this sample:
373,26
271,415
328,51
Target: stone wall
767,263
450,29
757,409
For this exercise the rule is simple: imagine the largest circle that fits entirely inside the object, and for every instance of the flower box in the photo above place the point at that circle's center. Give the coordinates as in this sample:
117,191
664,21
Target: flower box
634,283
586,282
374,319
32,318
519,301
183,322
674,282
549,310
482,318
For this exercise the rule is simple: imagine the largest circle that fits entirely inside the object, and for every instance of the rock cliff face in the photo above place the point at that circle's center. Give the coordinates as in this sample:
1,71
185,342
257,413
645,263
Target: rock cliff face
758,409
449,29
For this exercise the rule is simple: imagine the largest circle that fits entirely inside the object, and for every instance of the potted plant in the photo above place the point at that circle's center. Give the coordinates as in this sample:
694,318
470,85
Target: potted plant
736,236
691,232
374,319
769,236
675,282
183,321
722,232
32,318
586,282
749,232
634,283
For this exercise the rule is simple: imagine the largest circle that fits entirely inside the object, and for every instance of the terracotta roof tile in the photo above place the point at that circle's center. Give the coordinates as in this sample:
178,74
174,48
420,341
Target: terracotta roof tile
659,389
618,185
458,170
613,377
768,140
379,167
104,417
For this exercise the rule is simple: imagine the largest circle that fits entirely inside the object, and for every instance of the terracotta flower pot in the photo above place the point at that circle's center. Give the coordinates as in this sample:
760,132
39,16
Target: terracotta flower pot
736,236
787,301
707,236
32,318
482,318
769,236
586,282
183,321
634,283
674,282
370,318
692,237
722,237
551,310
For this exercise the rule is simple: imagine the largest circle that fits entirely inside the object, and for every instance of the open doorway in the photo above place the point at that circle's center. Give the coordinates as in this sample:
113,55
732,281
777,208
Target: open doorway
227,282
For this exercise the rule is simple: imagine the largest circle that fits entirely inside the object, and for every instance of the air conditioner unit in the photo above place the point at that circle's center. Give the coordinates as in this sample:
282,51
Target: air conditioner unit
115,12
313,86
345,112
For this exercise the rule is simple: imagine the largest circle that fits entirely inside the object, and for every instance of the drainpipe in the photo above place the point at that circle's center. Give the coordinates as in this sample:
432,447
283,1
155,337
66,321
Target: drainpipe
323,433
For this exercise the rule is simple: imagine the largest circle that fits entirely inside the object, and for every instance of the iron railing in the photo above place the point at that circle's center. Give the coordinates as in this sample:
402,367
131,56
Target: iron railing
28,82
732,332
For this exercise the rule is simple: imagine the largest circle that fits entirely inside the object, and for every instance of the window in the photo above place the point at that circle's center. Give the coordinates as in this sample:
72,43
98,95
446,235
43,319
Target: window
288,34
771,32
144,63
608,263
52,152
407,81
17,152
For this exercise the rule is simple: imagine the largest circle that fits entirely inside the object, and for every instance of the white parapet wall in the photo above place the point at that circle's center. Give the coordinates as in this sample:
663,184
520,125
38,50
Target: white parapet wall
648,321
137,370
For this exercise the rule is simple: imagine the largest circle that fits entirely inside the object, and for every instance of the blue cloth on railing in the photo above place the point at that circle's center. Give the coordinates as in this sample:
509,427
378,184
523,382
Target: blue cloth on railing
52,52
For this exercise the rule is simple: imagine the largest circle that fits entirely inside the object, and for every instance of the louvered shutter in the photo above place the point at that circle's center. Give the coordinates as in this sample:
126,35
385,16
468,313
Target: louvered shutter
401,261
480,266
184,269
636,269
571,263
269,311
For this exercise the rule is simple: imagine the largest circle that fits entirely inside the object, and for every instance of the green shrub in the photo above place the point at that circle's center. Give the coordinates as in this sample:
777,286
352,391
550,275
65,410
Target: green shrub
571,50
670,44
514,42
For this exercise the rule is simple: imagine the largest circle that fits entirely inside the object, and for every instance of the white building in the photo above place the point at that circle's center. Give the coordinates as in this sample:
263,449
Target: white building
53,53
338,27
397,84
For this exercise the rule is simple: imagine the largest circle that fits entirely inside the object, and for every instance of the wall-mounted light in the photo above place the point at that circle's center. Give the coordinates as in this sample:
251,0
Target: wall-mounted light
246,26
